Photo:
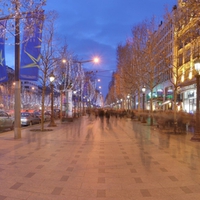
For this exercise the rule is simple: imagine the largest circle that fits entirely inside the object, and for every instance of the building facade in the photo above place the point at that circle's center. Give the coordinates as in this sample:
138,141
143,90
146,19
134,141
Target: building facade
187,46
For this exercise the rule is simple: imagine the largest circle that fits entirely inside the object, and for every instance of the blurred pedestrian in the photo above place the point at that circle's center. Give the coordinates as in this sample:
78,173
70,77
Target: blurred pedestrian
101,115
107,114
96,113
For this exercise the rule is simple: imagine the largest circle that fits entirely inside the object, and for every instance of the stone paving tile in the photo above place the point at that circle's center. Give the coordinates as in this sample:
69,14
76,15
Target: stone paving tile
2,197
173,178
16,186
64,178
57,191
39,166
101,180
29,175
186,190
145,193
70,169
101,193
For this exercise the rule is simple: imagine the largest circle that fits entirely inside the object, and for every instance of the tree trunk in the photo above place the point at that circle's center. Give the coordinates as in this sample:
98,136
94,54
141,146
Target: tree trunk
175,111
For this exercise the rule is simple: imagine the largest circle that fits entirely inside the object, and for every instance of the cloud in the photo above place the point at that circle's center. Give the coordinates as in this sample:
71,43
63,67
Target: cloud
97,27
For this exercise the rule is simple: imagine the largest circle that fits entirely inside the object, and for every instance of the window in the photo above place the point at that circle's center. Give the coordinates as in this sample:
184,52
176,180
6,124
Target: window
187,55
180,60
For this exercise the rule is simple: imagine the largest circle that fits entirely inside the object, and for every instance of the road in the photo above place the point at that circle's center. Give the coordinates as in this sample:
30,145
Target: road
87,160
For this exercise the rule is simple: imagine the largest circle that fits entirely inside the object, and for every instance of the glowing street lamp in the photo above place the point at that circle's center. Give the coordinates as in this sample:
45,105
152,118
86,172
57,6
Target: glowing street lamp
128,97
143,94
143,102
122,106
96,60
69,85
64,60
197,65
52,78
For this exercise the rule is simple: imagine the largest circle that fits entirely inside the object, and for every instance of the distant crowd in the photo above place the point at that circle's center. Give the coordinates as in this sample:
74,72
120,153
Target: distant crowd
107,113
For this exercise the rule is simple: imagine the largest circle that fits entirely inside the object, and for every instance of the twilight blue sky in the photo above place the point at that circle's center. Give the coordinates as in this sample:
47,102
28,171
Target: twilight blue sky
96,27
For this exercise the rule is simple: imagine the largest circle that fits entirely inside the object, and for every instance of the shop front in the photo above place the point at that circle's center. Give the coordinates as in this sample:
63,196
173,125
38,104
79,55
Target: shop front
189,98
168,99
157,99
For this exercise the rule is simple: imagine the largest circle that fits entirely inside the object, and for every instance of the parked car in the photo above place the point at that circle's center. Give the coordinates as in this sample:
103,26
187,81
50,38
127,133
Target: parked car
47,115
6,121
29,119
56,114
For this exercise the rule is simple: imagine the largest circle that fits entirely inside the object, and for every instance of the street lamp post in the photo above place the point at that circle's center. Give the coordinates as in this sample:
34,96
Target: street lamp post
143,95
61,103
52,123
121,100
128,97
84,99
67,83
143,102
196,136
117,104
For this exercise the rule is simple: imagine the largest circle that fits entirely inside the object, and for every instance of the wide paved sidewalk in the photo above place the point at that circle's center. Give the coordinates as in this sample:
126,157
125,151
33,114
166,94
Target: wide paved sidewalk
87,160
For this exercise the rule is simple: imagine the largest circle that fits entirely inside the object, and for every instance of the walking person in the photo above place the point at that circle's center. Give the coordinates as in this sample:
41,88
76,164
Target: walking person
101,116
107,116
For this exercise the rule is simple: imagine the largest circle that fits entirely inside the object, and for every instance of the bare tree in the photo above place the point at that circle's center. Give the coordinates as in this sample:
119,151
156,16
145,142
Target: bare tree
49,56
111,96
124,70
138,42
16,12
135,61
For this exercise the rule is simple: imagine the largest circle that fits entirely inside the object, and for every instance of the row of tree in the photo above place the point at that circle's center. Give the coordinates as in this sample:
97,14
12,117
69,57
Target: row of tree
55,56
152,58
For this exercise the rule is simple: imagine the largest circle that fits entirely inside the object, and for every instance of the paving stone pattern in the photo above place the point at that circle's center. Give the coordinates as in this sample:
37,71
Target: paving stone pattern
87,160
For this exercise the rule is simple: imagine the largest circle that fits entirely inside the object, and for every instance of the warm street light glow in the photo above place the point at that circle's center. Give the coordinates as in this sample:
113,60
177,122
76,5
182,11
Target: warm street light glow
52,123
51,77
99,87
99,80
143,89
96,60
64,60
128,101
197,65
143,102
